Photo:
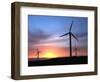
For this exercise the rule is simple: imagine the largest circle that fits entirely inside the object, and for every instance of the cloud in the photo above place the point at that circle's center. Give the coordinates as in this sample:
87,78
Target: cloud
55,39
37,36
81,35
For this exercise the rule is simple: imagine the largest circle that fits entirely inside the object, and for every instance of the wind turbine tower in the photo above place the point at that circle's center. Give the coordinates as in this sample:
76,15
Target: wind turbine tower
70,34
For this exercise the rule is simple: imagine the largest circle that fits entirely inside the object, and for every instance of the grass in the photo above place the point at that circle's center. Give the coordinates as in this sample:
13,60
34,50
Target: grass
60,61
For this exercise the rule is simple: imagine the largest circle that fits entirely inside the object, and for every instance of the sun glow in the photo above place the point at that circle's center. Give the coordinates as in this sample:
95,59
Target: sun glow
49,55
49,52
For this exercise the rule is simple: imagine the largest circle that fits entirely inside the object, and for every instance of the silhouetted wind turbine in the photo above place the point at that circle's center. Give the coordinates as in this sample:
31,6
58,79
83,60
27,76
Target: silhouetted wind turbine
75,50
38,53
70,35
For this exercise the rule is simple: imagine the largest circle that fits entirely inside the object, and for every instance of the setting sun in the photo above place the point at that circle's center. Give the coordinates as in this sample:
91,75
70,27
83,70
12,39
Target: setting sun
49,52
49,55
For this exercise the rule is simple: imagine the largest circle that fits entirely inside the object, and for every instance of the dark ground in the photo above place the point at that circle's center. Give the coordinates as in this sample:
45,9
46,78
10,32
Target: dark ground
60,61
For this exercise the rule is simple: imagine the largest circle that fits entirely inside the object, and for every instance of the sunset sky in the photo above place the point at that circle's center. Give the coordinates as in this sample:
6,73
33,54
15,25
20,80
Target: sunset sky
44,32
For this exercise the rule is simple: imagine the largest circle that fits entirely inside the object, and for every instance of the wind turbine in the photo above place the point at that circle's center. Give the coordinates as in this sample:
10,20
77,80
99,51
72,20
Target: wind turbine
70,37
75,50
38,53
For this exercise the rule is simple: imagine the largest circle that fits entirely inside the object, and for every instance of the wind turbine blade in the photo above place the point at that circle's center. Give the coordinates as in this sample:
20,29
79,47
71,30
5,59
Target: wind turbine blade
64,34
74,37
71,26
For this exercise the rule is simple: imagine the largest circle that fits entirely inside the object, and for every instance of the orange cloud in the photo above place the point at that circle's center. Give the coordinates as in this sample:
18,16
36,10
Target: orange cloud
54,52
50,52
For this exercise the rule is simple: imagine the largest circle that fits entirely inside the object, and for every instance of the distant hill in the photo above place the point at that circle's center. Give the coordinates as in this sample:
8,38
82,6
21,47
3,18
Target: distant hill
60,61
